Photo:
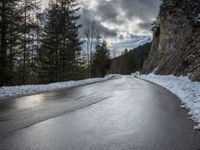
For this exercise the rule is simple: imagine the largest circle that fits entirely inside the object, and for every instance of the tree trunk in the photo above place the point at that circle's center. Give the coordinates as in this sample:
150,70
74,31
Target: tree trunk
3,46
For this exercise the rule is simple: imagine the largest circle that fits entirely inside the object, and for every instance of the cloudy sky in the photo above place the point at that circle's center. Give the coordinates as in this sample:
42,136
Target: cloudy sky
123,23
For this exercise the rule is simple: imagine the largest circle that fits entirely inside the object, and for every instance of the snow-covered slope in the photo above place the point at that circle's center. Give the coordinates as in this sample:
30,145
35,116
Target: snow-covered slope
184,88
9,91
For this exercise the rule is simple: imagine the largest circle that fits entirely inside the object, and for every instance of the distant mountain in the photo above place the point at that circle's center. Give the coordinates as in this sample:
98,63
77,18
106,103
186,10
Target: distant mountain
130,61
176,42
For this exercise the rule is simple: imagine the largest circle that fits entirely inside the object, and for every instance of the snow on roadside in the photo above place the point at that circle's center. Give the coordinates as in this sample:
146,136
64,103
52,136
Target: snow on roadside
9,91
184,88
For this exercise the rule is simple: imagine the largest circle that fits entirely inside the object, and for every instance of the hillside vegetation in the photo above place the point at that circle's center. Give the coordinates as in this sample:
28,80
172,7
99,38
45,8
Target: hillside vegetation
130,61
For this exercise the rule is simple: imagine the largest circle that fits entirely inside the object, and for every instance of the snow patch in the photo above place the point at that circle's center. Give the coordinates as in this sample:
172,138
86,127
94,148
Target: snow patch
184,88
9,91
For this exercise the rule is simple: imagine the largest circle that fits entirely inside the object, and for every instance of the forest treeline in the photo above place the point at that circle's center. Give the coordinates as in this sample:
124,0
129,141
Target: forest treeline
130,61
44,46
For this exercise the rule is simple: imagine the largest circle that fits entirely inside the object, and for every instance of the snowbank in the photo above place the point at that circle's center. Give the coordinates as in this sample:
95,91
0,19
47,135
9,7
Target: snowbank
184,88
9,91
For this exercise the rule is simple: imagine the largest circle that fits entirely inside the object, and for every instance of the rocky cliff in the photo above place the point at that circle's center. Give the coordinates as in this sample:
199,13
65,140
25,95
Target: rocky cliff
176,44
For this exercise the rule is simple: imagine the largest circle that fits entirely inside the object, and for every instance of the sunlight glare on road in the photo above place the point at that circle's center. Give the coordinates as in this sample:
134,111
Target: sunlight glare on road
29,101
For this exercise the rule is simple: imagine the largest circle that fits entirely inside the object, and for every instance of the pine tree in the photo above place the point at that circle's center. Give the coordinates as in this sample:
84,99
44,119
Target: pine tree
27,39
23,49
101,61
71,45
61,46
50,41
10,30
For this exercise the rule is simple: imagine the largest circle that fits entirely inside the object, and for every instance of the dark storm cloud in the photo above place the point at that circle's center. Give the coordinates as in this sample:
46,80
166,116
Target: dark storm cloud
122,19
86,16
105,31
143,9
108,11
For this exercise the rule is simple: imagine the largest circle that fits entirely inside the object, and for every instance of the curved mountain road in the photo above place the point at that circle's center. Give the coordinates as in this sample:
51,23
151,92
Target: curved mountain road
119,114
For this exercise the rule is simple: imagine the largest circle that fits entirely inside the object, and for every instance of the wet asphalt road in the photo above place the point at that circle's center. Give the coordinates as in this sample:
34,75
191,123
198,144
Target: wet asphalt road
119,114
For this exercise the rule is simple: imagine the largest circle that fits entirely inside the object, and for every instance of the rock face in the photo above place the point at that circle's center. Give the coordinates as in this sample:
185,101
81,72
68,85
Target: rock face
176,44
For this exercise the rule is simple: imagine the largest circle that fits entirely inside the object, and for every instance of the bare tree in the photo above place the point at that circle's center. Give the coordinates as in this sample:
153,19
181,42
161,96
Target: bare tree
90,33
87,36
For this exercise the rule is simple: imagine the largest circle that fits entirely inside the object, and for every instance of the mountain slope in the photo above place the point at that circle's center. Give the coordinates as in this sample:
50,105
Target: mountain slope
130,61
